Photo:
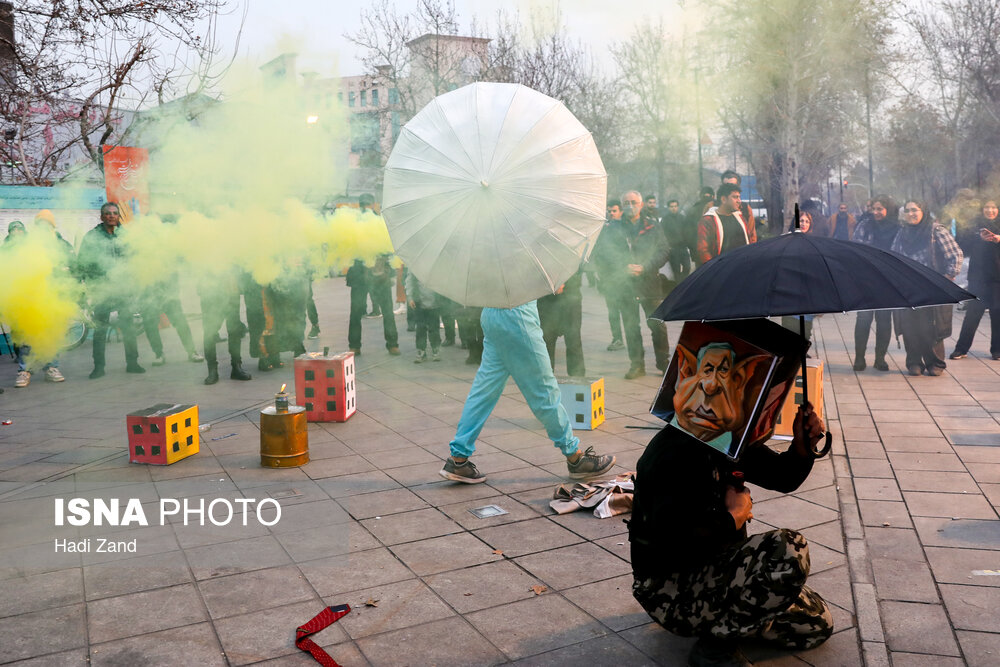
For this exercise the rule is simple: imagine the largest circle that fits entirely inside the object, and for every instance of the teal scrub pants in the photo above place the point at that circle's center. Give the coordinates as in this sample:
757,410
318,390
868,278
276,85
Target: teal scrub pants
513,347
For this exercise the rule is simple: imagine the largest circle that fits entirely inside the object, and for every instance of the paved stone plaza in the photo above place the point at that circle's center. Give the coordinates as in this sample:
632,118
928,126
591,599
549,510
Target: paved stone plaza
902,519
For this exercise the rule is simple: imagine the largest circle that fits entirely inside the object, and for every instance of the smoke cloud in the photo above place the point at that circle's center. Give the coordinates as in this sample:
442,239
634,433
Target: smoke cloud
238,189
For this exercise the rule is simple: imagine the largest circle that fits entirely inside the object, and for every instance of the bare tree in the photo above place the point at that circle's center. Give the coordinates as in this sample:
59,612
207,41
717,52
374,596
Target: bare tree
407,50
68,69
549,61
914,162
791,87
655,85
957,69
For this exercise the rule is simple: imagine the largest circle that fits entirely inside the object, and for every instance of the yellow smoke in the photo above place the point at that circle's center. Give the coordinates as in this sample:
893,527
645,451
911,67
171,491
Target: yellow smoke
38,300
246,184
242,186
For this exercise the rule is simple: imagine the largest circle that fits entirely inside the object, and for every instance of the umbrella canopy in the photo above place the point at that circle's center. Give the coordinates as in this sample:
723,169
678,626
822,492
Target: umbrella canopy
797,273
493,194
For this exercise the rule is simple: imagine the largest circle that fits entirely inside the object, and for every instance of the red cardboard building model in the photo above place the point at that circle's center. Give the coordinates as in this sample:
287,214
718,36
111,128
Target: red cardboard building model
324,385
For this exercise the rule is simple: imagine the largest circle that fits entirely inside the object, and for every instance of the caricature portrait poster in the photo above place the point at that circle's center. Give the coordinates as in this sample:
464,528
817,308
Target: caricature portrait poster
724,390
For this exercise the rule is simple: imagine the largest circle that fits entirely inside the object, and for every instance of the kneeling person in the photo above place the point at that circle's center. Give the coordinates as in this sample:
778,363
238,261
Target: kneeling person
697,573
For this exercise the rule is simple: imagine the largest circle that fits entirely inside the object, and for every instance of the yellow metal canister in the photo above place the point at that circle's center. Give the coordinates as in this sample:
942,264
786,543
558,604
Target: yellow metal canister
284,437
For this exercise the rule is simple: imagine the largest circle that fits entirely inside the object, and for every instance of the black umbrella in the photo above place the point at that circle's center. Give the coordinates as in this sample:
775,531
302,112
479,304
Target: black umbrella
796,274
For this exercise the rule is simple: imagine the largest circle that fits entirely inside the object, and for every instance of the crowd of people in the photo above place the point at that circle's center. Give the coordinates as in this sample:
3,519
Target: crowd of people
722,585
641,254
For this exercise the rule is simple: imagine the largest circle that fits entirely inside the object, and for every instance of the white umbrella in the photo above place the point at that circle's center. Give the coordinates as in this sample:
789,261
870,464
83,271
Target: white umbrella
493,194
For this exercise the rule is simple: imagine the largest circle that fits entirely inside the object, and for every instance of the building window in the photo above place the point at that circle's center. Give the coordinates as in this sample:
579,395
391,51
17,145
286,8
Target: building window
364,98
375,97
364,132
350,99
394,96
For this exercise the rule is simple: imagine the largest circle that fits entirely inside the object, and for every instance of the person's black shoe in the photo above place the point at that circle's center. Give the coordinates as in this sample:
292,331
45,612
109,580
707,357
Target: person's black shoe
213,375
238,373
635,372
859,364
134,368
958,355
881,365
710,652
96,373
994,357
262,365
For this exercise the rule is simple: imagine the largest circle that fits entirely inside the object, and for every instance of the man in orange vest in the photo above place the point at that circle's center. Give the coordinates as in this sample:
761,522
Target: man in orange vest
723,227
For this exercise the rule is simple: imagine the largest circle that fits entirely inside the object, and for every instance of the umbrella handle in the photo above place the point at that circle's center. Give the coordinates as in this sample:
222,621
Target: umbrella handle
826,447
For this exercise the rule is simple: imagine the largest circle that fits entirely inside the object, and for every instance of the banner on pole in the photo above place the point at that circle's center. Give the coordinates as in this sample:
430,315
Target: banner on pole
126,179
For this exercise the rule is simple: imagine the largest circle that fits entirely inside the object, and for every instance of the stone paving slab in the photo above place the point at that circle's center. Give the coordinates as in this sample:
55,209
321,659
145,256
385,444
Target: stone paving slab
898,521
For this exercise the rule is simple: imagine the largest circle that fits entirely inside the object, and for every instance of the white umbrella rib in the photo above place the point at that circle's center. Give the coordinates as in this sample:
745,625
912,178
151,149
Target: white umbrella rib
460,167
545,148
503,125
584,214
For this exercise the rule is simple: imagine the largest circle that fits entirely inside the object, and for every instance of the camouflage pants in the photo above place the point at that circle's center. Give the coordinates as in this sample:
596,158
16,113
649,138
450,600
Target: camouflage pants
754,590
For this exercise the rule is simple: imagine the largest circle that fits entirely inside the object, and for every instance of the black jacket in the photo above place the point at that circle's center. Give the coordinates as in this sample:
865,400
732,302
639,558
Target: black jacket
621,243
984,257
99,253
679,516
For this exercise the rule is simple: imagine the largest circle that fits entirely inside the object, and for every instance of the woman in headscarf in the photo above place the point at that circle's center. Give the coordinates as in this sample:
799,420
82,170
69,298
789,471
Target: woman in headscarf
924,329
982,243
878,230
807,225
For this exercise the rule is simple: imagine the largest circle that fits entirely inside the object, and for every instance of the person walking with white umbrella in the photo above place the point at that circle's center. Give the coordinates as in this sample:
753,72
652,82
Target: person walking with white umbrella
513,347
494,195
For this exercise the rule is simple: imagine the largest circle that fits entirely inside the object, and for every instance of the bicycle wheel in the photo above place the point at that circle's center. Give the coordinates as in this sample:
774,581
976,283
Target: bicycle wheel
76,334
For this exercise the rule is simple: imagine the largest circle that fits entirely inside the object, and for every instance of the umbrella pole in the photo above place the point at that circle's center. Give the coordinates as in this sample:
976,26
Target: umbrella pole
798,222
805,383
805,355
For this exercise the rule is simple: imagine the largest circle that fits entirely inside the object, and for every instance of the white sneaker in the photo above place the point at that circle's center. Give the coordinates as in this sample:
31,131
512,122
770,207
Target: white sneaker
399,309
159,361
52,374
195,357
23,378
